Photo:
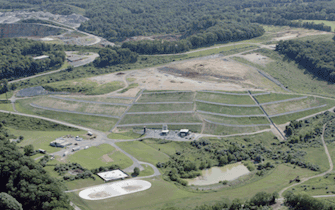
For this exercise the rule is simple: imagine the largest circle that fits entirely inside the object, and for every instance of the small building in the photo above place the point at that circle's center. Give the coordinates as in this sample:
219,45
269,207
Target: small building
75,149
165,130
41,57
184,132
60,142
42,151
112,175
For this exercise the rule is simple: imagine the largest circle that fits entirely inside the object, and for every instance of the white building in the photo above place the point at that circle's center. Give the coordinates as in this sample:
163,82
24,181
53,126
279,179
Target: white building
60,142
112,175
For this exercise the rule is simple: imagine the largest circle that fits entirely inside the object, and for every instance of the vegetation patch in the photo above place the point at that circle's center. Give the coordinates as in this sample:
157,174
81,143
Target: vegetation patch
223,98
80,106
84,86
235,120
210,128
275,97
98,123
230,110
160,107
167,97
93,157
131,86
159,118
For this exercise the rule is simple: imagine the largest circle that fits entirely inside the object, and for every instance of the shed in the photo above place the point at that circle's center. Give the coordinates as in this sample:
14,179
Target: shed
112,175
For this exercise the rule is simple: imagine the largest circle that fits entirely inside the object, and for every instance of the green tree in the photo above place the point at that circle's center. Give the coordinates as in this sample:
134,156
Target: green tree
28,150
8,202
136,171
4,84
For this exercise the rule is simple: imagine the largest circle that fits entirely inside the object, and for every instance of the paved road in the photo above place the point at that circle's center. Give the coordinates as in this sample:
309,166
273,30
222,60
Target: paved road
222,104
73,112
319,175
300,110
228,115
281,101
91,102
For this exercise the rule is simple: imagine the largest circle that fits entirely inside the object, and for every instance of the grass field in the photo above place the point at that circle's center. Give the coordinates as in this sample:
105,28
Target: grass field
283,107
6,105
80,106
226,130
102,155
9,95
84,86
143,152
159,118
164,194
147,171
275,97
103,99
131,86
228,109
98,123
222,98
124,135
235,120
167,97
291,75
287,118
160,107
42,139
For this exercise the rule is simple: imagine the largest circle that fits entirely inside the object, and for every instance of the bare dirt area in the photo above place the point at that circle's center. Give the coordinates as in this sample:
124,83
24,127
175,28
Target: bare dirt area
106,158
257,58
296,33
103,79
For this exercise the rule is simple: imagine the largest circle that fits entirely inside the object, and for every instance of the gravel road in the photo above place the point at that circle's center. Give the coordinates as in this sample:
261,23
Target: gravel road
146,124
241,126
176,102
166,112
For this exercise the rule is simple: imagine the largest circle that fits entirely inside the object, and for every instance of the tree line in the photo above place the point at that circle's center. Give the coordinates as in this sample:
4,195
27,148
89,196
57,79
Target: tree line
17,57
25,182
195,37
316,58
114,55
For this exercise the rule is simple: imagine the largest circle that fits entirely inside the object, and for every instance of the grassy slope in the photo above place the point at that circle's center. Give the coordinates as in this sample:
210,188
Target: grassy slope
98,123
228,109
103,99
160,107
292,75
92,157
159,118
222,98
225,130
80,107
6,105
236,120
275,97
167,97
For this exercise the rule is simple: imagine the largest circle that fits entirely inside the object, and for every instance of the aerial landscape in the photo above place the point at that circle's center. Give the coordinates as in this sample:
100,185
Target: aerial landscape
167,105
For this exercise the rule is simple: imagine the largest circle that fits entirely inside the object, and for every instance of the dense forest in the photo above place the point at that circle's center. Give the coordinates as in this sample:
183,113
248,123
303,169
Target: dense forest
205,32
17,57
26,183
114,55
316,58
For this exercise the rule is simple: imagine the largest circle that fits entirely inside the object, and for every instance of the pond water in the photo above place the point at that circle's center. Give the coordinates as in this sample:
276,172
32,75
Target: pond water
216,174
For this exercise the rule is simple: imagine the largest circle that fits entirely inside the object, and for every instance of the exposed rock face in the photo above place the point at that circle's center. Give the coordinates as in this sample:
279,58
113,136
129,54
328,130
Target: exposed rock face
27,29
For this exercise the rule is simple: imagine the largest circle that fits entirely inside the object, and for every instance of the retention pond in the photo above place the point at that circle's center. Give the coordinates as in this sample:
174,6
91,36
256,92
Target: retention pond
216,174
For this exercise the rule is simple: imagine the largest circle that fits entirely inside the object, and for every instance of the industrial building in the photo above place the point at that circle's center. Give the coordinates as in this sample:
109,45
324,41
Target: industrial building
60,142
112,175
